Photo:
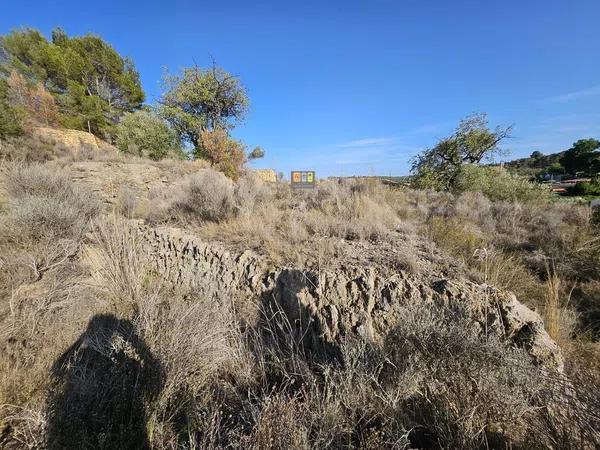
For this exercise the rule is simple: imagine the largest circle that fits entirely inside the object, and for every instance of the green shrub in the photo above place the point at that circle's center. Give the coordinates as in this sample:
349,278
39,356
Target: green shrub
585,188
499,184
145,134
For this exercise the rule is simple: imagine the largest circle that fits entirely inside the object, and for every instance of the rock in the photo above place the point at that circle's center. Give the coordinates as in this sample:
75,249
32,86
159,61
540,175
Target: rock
267,175
350,300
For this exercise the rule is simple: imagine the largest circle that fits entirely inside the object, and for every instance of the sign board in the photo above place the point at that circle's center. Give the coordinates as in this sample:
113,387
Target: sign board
303,179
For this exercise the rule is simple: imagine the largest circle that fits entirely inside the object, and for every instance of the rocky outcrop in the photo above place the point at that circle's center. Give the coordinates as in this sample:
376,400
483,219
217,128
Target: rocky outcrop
349,300
76,141
267,175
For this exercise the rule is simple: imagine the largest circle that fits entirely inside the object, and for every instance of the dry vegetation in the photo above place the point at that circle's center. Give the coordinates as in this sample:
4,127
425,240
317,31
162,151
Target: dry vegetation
93,339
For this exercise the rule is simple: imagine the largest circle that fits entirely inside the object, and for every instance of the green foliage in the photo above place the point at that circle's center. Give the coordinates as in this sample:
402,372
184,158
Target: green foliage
536,166
202,100
536,155
555,168
471,142
145,134
256,153
92,83
499,184
586,188
582,157
10,118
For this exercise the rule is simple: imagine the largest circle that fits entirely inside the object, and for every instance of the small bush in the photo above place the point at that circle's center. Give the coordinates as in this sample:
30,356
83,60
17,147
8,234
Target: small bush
208,195
226,154
127,202
250,191
47,216
45,202
459,238
29,149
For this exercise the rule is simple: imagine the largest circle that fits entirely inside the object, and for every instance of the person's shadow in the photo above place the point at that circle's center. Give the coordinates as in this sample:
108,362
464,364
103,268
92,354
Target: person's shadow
100,385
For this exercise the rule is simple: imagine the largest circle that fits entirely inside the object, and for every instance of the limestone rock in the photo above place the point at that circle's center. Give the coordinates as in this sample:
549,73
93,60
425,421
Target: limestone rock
350,300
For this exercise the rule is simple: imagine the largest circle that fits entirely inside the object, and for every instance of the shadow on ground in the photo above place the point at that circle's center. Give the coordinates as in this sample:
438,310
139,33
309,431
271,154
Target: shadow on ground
100,387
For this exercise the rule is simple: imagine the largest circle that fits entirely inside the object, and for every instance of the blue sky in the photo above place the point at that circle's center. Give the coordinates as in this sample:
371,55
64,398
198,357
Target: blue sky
358,87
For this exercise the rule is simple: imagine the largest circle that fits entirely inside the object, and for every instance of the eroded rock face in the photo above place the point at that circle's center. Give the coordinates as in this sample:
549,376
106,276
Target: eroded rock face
349,300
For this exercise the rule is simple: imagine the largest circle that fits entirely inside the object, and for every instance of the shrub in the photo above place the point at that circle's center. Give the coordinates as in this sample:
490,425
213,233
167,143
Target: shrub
457,389
43,181
499,184
584,188
127,202
145,134
459,238
250,191
208,195
47,215
45,203
34,219
226,154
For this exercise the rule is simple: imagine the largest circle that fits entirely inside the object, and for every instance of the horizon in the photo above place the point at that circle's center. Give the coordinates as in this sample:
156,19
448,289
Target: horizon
349,88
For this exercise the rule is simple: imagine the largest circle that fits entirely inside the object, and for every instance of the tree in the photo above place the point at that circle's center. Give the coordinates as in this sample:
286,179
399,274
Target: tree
555,169
202,100
11,119
36,101
536,155
145,134
471,142
93,85
582,157
256,153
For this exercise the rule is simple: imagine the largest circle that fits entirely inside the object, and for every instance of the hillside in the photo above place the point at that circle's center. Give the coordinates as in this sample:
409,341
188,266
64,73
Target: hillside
166,304
158,293
533,166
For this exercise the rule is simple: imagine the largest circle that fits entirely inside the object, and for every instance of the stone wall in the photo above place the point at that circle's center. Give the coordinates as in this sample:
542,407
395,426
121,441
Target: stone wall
351,300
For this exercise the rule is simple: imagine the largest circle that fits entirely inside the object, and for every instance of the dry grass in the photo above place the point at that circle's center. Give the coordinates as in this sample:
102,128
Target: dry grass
92,331
208,195
559,319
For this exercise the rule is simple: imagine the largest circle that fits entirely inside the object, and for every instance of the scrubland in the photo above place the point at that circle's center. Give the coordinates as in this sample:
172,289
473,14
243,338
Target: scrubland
99,351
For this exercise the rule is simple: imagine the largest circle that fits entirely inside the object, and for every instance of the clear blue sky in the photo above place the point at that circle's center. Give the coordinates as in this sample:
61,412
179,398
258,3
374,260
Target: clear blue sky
358,87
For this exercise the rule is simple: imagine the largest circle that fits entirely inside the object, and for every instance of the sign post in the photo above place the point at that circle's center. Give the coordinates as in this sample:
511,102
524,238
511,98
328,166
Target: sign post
303,179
